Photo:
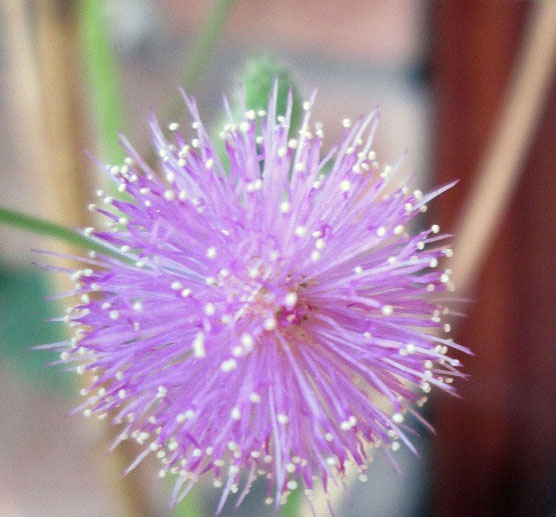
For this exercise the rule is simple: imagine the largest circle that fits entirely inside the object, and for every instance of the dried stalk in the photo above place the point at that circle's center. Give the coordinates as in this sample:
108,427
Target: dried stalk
63,182
500,169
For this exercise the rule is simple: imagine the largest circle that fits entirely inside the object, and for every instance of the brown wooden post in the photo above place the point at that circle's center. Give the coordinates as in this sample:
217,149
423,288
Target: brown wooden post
496,449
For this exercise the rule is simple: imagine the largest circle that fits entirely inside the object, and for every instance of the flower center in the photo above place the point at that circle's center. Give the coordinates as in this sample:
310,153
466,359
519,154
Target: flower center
264,299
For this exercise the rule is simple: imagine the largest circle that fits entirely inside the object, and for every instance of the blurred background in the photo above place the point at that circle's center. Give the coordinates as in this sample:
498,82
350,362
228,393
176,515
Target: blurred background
440,72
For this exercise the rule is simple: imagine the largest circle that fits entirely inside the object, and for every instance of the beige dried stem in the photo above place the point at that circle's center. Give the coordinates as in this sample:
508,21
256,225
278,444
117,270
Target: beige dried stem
48,98
500,169
65,185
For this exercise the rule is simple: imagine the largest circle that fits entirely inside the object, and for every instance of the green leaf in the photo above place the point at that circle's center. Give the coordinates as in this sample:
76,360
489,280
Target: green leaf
189,507
257,78
292,507
24,324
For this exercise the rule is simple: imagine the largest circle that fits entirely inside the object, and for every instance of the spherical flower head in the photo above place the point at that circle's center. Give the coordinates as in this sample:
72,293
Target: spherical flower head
272,318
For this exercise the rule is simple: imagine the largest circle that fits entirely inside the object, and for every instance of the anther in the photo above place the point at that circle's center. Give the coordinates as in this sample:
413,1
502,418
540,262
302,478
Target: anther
290,299
387,310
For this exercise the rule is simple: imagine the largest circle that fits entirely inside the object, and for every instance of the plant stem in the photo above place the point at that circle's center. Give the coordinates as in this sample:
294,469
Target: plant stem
53,230
204,46
203,49
103,77
198,61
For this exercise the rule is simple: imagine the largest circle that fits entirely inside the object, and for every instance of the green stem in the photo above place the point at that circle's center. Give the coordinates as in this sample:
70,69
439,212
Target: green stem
203,49
55,231
205,44
102,71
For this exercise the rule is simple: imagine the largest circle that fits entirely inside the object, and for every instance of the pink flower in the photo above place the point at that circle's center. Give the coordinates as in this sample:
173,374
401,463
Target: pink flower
270,318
